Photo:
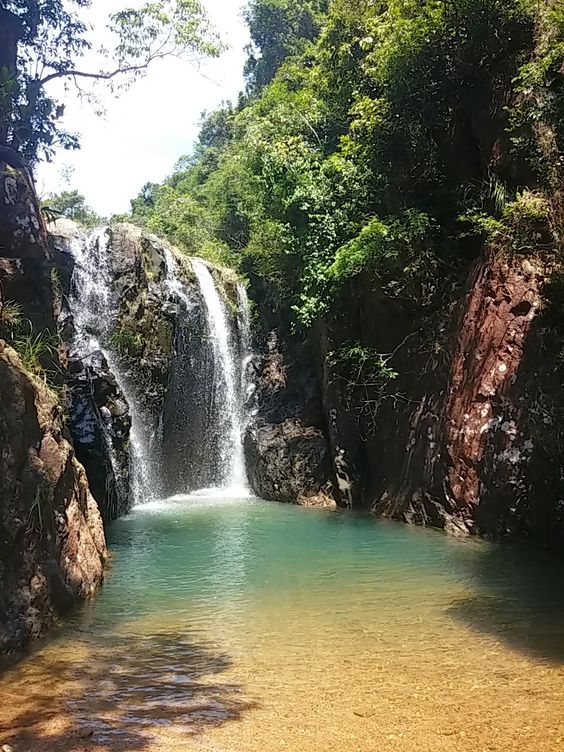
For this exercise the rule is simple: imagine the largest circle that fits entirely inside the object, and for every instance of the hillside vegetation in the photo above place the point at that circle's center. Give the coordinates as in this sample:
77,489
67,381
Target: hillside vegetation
383,138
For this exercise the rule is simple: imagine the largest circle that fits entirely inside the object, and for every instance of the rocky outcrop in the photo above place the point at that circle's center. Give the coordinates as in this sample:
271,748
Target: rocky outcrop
52,538
145,309
144,330
53,546
99,419
289,462
24,253
466,437
100,424
160,342
286,450
471,455
466,433
138,321
486,447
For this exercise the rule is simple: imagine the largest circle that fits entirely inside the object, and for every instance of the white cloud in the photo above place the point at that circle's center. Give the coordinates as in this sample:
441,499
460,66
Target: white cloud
146,129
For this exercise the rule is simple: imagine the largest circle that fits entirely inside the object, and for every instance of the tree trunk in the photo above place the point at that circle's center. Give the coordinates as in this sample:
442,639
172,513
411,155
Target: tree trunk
11,31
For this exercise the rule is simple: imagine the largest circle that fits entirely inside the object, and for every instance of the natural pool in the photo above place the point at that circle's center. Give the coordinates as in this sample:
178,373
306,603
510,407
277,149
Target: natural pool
241,625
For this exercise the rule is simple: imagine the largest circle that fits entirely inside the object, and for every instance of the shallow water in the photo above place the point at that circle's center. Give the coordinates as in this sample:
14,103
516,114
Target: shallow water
237,624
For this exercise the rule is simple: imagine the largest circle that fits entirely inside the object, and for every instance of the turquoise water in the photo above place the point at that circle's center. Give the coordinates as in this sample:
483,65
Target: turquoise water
223,618
199,557
202,558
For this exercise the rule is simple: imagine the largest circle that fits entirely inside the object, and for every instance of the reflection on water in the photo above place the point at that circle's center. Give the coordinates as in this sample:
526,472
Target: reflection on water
235,624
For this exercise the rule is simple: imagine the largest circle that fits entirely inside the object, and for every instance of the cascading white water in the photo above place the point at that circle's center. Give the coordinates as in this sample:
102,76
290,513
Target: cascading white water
172,280
207,387
245,353
229,373
94,308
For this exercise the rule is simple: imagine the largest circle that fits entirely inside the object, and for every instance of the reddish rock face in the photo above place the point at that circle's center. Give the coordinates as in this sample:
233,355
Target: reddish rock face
51,535
469,437
483,411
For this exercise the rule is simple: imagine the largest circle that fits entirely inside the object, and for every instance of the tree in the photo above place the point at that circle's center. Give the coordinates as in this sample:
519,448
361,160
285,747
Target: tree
41,42
359,148
278,28
72,204
144,203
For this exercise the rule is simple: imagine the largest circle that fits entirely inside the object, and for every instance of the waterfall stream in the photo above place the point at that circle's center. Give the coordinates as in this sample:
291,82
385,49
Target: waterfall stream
229,376
94,306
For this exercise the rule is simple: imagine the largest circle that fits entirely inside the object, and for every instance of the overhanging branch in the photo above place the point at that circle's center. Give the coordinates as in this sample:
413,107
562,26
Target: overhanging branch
101,76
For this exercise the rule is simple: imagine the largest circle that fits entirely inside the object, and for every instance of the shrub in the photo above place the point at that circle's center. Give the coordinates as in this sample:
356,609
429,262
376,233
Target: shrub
126,342
10,317
36,351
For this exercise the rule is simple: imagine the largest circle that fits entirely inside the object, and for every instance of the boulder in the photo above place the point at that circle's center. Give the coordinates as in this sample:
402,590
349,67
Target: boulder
286,449
100,423
289,462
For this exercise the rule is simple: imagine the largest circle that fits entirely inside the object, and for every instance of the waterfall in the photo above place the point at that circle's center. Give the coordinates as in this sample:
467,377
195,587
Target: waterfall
94,307
229,365
196,441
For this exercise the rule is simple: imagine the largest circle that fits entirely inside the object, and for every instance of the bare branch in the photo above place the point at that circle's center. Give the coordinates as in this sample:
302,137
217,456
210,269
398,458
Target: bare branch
100,76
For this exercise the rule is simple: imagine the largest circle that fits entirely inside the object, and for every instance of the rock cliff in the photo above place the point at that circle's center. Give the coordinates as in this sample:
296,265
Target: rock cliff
467,434
53,546
470,454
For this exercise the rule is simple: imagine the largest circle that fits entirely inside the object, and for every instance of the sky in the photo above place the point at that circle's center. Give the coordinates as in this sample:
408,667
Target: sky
146,129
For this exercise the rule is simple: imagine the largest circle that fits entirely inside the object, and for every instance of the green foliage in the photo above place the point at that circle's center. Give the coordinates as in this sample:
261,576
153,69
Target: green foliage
126,342
362,365
278,29
364,374
363,141
521,227
528,221
10,318
71,204
394,250
40,507
52,39
537,116
56,288
36,351
553,294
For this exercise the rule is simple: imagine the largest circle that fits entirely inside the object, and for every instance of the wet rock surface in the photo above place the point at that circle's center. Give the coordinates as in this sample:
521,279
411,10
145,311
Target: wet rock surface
100,425
99,419
147,313
161,343
144,331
